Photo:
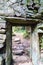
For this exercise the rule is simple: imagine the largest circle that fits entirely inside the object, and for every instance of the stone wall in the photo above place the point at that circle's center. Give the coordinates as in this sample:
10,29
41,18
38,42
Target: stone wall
2,42
13,8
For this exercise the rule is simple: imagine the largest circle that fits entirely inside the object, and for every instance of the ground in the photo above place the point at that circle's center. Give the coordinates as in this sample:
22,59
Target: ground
21,51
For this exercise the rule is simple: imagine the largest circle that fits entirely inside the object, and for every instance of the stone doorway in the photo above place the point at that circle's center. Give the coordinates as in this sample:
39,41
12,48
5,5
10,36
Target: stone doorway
34,36
21,45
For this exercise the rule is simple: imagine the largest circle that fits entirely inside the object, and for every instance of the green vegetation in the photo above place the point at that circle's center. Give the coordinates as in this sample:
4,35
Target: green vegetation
26,34
41,41
18,29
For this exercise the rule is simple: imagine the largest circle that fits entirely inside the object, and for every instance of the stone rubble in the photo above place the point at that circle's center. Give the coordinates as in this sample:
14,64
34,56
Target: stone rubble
26,63
21,9
20,50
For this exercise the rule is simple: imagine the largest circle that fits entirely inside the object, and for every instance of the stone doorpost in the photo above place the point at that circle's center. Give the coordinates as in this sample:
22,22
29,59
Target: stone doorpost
35,46
8,43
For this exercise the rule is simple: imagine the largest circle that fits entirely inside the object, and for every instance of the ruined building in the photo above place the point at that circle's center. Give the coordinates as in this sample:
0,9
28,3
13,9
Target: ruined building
27,15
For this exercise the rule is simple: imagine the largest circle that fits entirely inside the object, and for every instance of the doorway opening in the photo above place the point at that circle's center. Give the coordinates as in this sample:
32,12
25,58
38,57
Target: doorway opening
41,46
21,45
